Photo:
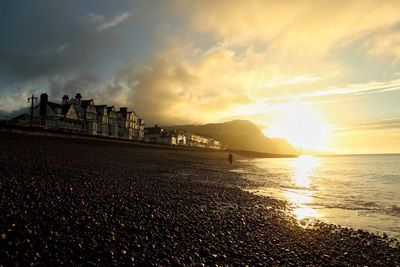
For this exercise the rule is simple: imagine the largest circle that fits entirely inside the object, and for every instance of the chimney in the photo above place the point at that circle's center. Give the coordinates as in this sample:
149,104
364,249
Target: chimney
78,99
65,100
123,111
43,104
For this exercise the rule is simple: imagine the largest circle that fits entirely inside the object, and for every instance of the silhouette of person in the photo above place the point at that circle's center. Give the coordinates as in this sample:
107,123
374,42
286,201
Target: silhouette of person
230,158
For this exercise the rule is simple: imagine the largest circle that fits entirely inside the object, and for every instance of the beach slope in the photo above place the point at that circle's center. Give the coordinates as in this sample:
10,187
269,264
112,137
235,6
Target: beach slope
82,202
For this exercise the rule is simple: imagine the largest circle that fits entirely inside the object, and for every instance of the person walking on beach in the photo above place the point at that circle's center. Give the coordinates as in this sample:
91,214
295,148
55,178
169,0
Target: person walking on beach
230,158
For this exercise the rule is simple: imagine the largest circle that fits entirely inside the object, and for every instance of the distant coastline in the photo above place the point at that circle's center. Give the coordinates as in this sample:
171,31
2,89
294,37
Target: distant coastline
38,131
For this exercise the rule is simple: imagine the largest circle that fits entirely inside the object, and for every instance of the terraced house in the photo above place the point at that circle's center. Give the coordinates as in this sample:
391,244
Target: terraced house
102,120
112,121
83,116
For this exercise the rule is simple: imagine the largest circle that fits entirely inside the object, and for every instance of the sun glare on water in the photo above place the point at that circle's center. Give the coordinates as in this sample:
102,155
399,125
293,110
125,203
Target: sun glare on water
302,195
302,126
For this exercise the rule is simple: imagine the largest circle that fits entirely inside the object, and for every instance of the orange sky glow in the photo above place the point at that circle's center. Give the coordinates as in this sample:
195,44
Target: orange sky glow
323,74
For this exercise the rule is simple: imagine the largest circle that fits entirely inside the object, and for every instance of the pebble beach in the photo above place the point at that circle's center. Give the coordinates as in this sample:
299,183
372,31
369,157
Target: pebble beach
98,203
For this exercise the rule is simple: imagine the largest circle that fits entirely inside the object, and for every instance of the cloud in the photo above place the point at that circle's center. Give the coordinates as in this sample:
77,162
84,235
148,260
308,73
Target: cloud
16,100
292,29
357,89
333,92
384,45
194,61
44,44
179,91
384,124
95,18
300,79
86,84
218,46
115,20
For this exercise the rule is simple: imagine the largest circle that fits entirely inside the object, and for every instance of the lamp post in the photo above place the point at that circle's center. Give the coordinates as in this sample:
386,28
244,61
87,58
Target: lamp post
32,99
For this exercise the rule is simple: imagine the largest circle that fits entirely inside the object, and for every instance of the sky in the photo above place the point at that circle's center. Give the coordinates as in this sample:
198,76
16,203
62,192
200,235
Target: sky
323,74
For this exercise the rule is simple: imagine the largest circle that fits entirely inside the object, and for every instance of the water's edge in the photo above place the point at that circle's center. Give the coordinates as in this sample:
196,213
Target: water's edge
343,201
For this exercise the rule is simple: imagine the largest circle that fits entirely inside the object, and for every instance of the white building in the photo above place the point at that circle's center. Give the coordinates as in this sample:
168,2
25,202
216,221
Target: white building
178,137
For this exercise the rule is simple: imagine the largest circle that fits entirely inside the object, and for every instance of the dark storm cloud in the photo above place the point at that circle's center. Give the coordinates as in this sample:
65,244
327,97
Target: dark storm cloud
44,38
85,84
69,47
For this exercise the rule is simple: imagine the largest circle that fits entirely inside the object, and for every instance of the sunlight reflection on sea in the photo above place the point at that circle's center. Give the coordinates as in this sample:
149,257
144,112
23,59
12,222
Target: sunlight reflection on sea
354,191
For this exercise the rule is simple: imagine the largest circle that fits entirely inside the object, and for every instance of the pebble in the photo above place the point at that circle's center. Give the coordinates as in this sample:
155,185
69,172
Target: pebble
82,202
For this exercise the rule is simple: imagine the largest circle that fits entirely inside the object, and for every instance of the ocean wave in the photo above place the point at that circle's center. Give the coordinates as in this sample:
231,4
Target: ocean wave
360,210
348,207
302,188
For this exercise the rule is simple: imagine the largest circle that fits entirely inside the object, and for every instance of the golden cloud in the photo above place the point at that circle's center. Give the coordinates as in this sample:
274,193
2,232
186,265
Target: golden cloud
294,28
385,45
172,91
262,50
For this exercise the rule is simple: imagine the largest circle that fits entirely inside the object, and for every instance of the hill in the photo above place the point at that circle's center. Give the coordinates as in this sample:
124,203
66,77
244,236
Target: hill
240,135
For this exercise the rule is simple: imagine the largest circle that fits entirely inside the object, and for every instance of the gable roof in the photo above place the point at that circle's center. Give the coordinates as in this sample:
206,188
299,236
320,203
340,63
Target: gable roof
65,108
132,112
55,106
86,103
68,107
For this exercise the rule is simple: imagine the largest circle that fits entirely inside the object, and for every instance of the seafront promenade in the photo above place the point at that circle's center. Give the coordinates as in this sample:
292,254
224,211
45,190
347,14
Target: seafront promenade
86,202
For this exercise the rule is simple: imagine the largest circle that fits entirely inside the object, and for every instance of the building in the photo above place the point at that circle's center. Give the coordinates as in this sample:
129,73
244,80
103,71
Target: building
168,138
87,110
102,120
196,140
123,123
159,135
140,129
180,137
52,115
153,134
130,126
112,122
83,116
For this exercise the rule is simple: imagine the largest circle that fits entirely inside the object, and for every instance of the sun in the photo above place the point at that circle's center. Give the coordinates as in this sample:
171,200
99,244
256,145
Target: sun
303,126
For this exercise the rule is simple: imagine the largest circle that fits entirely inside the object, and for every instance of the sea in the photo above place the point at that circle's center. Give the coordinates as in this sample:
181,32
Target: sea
357,191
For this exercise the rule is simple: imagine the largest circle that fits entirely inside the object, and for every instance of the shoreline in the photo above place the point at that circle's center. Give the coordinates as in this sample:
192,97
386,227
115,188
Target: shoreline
313,203
85,202
328,215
